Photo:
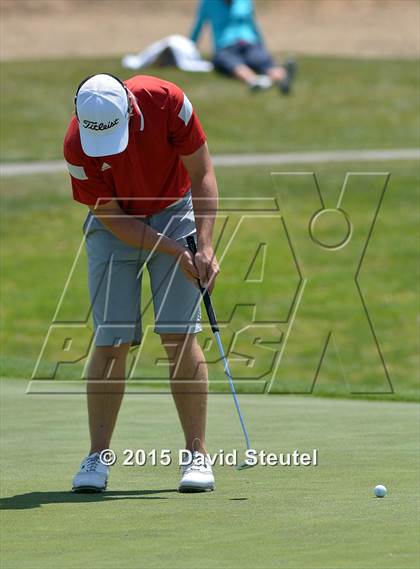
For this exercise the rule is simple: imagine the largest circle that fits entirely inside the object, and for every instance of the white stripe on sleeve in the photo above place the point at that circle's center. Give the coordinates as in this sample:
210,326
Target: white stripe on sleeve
77,172
186,111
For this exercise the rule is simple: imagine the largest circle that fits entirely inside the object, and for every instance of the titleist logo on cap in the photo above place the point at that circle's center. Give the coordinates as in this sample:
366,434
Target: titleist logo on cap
93,125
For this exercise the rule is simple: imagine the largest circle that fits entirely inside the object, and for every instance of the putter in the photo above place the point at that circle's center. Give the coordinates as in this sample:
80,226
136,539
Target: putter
215,329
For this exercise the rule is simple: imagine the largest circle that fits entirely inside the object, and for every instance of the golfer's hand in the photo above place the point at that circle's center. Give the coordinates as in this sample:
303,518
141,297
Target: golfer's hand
188,266
207,267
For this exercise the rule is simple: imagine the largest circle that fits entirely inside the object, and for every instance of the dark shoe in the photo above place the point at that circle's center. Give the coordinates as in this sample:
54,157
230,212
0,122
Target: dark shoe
285,85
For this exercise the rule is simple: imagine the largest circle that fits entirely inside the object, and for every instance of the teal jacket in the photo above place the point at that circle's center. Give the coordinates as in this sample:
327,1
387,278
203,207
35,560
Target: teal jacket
230,22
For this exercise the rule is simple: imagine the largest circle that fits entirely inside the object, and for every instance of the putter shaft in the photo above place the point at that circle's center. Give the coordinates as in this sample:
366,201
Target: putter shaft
215,329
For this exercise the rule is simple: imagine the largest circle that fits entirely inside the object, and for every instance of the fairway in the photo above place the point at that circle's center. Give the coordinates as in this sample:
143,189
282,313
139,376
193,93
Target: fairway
319,517
340,103
53,236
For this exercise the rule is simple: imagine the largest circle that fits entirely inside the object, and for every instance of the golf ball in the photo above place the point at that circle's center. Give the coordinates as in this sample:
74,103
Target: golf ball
380,491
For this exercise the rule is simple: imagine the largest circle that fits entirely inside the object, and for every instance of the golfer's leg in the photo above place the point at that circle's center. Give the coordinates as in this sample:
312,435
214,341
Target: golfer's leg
189,386
177,317
114,286
105,390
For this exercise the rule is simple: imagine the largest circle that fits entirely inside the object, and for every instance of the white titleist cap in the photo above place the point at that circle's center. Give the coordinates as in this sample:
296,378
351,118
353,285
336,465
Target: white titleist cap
103,114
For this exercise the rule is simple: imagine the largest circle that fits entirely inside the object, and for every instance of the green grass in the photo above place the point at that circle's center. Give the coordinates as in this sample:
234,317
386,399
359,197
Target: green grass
338,103
323,517
41,233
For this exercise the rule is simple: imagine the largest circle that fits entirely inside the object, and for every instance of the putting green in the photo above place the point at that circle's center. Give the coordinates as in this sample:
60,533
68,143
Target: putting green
312,517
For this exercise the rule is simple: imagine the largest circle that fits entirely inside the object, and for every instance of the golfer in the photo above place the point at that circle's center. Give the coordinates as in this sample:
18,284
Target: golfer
138,159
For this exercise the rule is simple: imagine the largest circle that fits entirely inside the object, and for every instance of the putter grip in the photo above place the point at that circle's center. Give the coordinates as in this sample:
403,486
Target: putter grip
204,292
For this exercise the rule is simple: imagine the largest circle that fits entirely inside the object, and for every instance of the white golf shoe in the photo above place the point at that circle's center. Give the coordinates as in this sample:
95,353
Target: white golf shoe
92,476
260,83
197,475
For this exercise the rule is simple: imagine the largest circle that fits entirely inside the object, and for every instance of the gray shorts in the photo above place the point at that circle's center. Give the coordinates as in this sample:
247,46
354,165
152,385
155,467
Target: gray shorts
115,277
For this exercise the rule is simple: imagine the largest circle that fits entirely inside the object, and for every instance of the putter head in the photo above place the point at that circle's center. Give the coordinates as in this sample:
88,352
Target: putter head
244,465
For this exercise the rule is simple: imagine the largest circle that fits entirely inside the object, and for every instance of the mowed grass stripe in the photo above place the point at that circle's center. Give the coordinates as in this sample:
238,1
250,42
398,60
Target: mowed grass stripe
234,160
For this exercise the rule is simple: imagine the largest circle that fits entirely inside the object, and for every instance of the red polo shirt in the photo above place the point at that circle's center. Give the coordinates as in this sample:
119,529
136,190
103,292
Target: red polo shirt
162,128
